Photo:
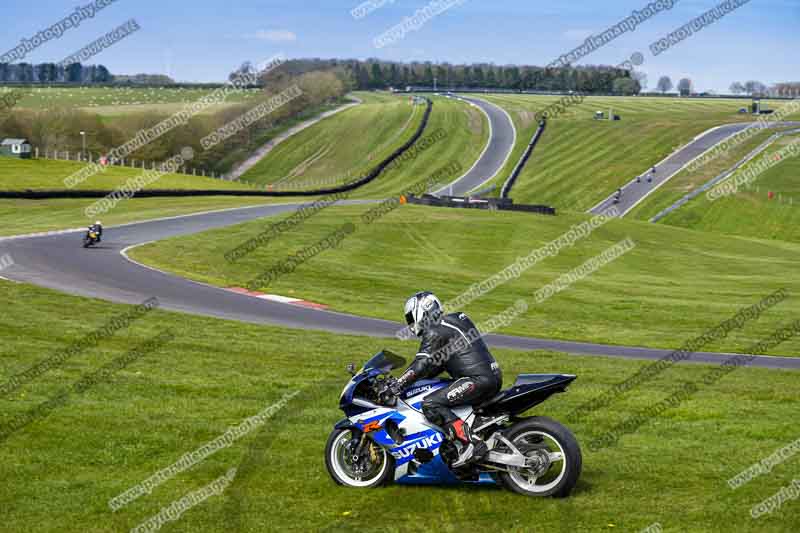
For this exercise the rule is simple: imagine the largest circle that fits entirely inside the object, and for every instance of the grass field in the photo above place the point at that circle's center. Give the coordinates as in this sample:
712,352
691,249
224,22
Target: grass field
751,212
239,153
579,161
330,152
467,132
672,287
340,148
45,174
61,470
686,275
111,101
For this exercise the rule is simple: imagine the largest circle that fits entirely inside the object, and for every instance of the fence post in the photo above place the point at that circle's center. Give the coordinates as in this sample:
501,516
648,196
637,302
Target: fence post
67,155
37,152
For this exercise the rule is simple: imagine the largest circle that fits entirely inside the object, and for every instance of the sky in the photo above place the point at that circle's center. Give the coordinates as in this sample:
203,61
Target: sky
204,40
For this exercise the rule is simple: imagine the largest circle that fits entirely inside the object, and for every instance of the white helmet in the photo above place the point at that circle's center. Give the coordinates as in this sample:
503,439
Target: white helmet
98,223
423,310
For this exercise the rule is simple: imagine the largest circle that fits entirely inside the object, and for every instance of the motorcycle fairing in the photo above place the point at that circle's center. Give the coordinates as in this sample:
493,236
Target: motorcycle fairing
418,433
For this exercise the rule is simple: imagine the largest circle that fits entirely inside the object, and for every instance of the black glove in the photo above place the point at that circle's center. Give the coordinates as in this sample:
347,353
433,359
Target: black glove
388,390
394,386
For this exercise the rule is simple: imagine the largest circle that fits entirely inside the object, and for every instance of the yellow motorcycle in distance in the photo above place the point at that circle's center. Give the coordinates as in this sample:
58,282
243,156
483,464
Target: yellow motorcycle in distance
90,239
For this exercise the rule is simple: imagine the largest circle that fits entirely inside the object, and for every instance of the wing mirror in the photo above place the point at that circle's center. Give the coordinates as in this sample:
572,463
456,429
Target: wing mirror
351,368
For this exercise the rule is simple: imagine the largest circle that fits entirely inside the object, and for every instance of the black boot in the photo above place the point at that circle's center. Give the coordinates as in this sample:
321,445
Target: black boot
472,448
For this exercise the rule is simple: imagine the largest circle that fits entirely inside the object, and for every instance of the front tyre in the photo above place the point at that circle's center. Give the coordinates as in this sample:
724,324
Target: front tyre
557,460
370,469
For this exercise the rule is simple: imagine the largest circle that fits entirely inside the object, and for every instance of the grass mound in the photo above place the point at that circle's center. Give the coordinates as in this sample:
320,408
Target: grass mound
348,145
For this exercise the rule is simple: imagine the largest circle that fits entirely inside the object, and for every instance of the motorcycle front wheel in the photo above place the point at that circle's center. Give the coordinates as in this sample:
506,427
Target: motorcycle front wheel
368,470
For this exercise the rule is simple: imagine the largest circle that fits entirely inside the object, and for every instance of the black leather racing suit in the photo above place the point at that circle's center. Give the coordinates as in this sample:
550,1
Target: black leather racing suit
454,345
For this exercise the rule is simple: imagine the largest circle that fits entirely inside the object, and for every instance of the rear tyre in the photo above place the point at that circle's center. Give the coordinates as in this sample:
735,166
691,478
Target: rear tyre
558,458
371,470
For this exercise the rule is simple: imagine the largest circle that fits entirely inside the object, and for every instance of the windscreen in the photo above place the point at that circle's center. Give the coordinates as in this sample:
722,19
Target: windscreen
385,360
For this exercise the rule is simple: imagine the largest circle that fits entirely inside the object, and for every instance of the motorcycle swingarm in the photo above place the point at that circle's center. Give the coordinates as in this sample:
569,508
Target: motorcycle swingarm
515,458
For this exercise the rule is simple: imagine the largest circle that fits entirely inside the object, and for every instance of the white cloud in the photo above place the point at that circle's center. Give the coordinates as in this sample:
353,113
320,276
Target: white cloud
273,35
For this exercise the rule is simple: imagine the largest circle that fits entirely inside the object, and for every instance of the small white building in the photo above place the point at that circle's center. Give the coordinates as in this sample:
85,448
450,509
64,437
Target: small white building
15,148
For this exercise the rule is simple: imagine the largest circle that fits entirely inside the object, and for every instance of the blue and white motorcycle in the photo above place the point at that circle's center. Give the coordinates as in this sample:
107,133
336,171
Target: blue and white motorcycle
386,438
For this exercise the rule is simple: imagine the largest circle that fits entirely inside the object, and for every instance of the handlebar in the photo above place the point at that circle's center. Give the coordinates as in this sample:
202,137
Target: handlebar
383,392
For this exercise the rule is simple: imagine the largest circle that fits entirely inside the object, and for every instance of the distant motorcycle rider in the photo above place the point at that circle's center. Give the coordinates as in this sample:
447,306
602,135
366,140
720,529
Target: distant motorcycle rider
97,227
452,343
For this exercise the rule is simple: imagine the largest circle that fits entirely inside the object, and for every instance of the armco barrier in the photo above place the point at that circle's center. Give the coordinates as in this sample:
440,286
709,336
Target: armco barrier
524,159
161,193
504,204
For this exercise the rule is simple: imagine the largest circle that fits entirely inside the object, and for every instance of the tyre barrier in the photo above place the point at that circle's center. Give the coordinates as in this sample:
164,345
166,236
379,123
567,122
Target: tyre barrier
523,160
504,204
161,193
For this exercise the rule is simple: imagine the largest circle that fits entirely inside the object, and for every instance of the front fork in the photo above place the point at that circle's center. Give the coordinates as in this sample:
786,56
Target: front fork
363,443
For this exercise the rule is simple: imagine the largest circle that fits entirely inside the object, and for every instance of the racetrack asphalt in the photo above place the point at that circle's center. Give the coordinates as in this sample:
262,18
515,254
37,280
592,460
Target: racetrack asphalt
60,262
495,154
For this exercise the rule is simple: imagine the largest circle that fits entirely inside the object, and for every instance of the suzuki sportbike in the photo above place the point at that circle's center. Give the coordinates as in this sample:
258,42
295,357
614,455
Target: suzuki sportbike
386,438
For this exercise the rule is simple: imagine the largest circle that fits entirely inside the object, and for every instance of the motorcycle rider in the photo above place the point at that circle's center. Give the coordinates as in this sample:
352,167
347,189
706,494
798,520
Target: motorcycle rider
452,343
97,227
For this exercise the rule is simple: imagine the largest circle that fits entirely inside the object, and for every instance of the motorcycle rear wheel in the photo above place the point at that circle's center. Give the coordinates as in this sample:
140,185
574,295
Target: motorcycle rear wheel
560,469
375,468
